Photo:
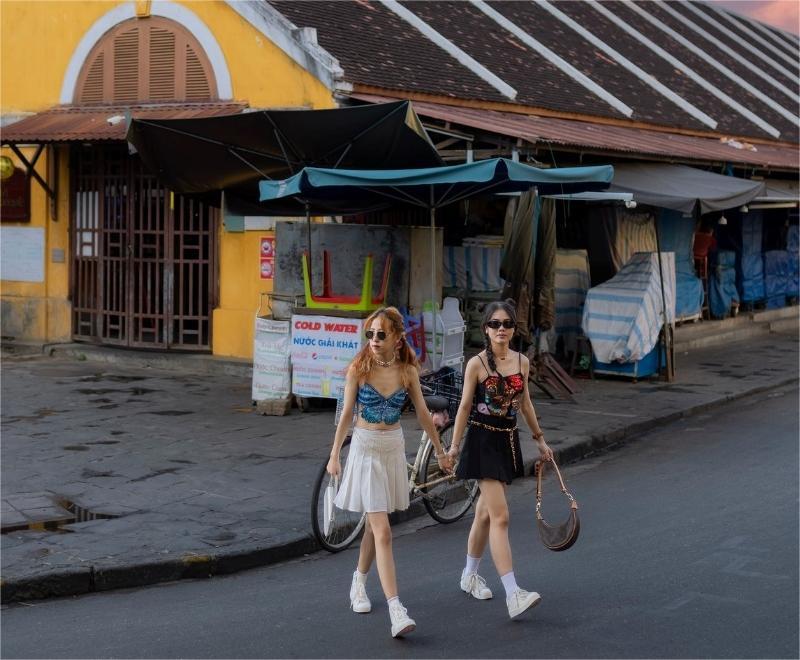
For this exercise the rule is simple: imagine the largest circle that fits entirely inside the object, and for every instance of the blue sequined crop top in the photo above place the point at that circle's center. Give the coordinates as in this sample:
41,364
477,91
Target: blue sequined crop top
376,408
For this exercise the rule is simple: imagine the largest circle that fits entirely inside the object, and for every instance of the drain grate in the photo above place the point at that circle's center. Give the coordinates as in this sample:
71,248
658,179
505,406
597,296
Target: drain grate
64,512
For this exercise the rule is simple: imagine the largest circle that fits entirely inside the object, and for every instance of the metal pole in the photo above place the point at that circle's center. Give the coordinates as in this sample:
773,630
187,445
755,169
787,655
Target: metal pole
665,327
433,277
308,235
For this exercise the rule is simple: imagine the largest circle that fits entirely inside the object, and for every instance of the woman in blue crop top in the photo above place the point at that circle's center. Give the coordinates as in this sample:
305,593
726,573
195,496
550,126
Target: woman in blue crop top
375,480
495,391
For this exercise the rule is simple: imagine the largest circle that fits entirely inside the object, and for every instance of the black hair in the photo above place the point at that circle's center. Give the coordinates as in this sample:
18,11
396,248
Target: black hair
508,307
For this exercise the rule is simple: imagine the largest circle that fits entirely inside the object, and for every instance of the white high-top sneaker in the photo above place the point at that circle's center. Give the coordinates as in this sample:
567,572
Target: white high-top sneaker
358,595
475,586
521,600
402,624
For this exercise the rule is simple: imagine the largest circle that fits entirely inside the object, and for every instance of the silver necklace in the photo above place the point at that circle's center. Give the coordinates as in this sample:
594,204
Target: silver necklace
381,363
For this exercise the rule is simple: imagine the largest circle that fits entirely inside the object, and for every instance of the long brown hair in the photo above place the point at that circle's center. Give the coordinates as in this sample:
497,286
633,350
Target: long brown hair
391,322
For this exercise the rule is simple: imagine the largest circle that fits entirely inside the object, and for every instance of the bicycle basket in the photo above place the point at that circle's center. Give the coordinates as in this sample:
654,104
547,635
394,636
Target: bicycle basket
446,382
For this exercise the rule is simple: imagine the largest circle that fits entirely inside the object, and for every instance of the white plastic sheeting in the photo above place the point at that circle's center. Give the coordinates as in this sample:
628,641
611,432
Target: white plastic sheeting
623,316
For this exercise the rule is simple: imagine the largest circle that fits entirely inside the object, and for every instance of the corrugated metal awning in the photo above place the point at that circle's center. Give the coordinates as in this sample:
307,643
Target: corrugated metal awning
609,139
90,123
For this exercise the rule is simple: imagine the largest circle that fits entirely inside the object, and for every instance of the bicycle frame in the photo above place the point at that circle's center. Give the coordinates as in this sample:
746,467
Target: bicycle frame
413,487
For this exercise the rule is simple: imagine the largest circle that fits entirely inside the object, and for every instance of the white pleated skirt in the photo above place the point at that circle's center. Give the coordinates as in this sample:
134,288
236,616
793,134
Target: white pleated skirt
375,477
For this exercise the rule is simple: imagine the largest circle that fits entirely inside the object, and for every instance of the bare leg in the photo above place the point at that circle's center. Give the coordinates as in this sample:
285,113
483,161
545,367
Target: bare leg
493,494
366,553
479,532
382,534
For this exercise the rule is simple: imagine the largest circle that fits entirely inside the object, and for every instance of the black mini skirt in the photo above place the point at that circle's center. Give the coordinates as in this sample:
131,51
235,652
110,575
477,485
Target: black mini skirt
491,449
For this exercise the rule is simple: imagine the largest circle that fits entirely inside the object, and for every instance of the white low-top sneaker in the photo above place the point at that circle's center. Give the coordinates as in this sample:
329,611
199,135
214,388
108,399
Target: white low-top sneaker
402,624
475,586
522,600
358,596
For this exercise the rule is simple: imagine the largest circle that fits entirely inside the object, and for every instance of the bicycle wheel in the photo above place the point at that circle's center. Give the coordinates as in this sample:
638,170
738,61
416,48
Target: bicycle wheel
446,499
346,525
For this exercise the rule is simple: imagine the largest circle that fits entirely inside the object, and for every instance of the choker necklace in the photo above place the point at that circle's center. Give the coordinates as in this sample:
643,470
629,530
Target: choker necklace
381,363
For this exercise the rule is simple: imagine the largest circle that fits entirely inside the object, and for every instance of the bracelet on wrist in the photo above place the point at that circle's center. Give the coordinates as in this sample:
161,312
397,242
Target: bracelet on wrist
539,435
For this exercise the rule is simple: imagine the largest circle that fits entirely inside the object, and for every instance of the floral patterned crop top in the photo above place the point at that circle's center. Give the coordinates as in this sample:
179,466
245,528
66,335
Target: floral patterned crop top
492,399
376,408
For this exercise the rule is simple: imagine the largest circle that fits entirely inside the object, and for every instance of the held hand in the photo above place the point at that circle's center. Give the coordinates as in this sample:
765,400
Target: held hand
334,468
545,452
445,463
453,456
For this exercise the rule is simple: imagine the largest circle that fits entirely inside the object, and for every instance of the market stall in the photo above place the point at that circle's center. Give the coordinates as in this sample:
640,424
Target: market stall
432,188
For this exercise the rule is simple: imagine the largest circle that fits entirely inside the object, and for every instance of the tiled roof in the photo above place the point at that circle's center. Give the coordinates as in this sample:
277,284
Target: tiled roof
734,121
375,47
379,49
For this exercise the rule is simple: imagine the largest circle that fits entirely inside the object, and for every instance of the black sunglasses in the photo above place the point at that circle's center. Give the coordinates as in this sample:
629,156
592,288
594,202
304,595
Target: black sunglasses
495,324
371,333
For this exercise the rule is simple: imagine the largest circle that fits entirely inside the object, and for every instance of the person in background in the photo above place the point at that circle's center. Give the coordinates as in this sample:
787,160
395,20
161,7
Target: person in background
495,390
379,380
704,242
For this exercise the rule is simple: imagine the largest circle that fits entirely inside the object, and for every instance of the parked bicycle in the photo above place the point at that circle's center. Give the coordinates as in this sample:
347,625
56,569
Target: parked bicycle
445,497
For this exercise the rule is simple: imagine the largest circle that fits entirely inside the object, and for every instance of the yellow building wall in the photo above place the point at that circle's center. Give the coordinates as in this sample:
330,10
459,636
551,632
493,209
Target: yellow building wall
31,80
40,311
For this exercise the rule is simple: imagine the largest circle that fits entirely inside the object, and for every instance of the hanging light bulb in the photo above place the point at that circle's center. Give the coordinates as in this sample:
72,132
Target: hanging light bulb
6,168
722,220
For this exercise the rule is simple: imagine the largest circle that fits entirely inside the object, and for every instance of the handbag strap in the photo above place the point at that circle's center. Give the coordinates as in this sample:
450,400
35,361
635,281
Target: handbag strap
573,504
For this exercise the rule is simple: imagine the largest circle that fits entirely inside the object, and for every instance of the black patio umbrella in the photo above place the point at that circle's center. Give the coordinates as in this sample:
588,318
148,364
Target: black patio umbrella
234,152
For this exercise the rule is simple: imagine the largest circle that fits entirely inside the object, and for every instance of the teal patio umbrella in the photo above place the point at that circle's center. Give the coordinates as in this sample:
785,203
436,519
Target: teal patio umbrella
431,187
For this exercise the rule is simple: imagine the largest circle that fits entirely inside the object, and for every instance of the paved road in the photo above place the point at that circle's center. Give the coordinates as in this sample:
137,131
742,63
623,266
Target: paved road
689,549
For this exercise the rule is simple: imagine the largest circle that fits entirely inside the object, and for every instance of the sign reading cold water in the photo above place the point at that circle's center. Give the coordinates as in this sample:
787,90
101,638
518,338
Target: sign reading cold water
322,347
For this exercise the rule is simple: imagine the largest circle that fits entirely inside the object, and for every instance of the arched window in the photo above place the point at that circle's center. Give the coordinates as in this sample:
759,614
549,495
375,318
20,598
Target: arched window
146,60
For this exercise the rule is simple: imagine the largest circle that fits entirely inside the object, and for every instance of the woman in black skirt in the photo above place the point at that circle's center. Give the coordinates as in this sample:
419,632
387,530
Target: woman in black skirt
495,390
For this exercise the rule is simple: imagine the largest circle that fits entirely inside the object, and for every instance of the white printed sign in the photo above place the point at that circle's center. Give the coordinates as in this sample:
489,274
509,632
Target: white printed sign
322,347
22,254
271,360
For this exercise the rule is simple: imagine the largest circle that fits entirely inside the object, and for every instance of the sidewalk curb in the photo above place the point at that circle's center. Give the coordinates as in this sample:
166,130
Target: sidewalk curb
192,566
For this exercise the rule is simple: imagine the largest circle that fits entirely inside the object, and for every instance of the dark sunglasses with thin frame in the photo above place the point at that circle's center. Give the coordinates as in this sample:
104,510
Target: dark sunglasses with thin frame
496,324
371,333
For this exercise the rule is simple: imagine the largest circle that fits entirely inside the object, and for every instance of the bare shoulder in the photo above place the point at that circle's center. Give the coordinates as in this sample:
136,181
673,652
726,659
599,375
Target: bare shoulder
524,361
411,372
473,368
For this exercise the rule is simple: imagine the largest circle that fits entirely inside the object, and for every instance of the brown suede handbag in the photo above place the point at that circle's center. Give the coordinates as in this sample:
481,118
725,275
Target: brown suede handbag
557,537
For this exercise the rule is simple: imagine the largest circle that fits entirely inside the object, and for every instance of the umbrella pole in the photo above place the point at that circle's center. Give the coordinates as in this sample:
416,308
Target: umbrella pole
433,278
665,327
308,234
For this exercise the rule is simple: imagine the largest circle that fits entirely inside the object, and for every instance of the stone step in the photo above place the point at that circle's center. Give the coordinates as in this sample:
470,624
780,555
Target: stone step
770,315
715,337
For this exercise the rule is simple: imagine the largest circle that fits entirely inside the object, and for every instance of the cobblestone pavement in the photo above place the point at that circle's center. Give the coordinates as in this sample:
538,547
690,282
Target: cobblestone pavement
184,480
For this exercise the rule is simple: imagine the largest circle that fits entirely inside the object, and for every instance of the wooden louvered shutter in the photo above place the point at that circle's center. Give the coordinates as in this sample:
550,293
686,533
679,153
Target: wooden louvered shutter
146,60
126,67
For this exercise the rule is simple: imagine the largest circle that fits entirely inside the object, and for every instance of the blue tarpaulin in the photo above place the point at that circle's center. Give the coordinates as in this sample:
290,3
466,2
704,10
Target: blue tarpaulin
776,277
750,266
677,235
722,283
792,247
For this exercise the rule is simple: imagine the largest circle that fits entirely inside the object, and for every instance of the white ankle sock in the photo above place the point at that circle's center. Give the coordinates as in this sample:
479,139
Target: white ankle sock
362,577
509,583
472,565
393,599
